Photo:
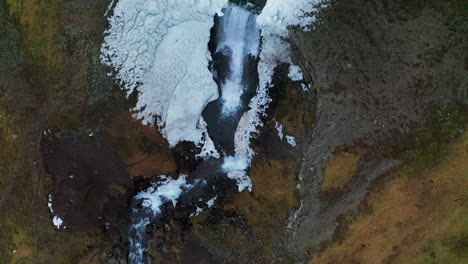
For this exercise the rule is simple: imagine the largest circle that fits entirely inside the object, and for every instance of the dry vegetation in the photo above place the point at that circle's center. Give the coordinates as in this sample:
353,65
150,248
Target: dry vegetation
265,210
417,216
342,167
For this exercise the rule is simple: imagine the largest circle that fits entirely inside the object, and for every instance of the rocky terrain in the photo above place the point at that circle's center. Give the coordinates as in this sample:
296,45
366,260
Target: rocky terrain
378,174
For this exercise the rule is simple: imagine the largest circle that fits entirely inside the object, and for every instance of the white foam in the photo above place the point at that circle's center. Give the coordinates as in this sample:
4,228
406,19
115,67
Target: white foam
158,194
235,167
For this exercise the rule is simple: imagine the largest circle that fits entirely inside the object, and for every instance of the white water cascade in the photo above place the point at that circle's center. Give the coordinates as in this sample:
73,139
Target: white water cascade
239,38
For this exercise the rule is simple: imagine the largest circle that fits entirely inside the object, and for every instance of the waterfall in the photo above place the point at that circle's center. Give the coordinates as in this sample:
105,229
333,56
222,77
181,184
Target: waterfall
146,207
238,38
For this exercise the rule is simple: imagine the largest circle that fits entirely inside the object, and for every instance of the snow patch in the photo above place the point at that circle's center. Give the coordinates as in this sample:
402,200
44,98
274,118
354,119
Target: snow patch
279,129
291,141
159,48
295,73
49,204
197,212
210,203
57,221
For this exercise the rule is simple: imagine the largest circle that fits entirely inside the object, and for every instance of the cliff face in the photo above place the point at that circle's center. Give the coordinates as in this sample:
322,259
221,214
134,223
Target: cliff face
388,98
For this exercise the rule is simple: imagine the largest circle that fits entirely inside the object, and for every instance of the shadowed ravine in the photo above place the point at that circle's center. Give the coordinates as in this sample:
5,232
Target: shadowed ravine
235,49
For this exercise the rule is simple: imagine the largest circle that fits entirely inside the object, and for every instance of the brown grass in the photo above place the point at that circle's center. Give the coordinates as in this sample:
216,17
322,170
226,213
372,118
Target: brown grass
265,210
417,217
342,167
141,147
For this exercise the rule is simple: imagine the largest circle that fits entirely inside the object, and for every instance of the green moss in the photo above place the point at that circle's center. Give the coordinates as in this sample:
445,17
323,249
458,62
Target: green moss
451,250
430,142
39,23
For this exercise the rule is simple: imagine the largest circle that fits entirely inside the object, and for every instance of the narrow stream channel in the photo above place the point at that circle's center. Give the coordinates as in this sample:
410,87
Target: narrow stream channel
235,48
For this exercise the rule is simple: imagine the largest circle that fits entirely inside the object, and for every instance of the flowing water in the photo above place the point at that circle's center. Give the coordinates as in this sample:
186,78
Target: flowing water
235,49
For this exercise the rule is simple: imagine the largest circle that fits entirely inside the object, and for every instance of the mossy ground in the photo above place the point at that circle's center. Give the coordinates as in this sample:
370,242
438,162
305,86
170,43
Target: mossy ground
430,142
40,24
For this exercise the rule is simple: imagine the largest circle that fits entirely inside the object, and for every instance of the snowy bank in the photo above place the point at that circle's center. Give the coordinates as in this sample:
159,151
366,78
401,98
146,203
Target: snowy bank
159,48
274,20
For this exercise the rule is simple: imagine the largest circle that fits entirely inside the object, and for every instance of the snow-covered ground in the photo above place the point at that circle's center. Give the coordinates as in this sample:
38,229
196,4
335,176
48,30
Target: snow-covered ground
159,47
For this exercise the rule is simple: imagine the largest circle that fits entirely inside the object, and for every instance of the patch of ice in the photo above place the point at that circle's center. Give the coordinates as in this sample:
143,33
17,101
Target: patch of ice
235,163
159,48
291,140
158,194
109,8
295,73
